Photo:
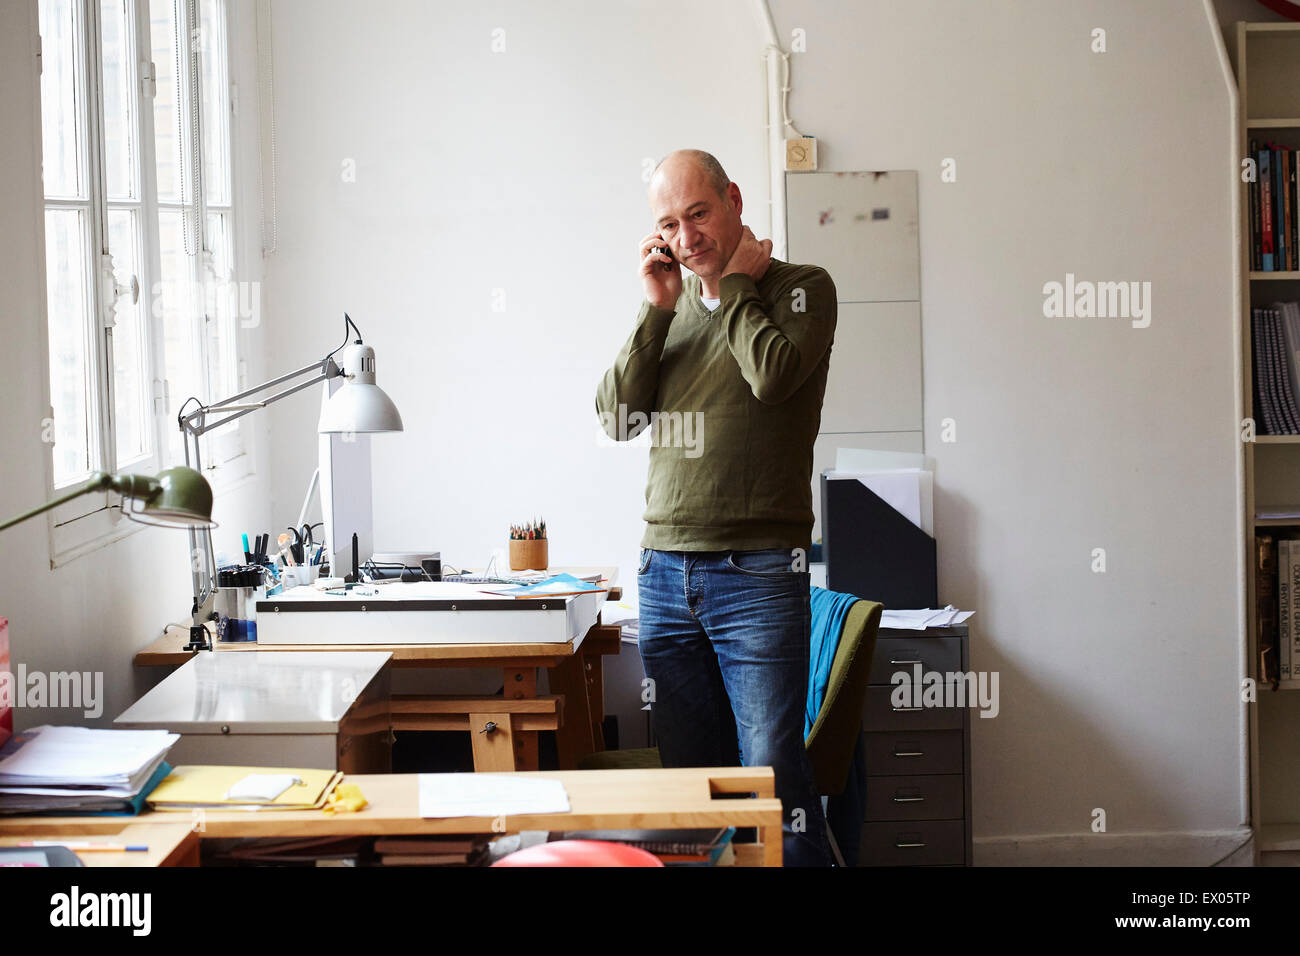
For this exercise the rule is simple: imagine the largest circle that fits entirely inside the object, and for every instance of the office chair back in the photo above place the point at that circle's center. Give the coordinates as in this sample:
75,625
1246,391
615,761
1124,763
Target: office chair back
834,734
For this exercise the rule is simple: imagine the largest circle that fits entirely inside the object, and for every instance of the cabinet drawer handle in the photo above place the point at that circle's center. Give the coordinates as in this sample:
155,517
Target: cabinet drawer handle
905,845
906,662
908,799
909,753
903,710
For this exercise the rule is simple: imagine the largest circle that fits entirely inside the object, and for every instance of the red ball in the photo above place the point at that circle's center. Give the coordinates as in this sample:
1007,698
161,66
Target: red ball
580,853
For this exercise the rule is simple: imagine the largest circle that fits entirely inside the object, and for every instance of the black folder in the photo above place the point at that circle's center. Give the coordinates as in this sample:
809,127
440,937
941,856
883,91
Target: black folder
873,551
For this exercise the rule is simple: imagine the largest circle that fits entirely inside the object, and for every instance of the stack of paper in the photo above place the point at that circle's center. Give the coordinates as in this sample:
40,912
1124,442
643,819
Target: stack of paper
927,617
626,615
77,768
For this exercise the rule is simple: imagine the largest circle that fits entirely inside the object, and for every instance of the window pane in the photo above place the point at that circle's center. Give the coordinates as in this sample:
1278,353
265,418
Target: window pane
119,99
166,111
175,300
130,357
61,96
216,103
68,308
223,302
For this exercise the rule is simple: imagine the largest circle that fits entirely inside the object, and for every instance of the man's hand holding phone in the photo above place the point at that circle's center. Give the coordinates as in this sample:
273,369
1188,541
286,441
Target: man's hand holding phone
660,272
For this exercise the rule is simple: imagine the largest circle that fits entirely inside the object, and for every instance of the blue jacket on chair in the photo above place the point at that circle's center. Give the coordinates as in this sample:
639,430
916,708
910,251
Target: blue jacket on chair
829,608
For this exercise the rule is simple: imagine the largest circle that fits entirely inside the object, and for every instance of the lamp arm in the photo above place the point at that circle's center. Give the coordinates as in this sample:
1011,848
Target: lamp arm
128,486
100,482
193,426
196,422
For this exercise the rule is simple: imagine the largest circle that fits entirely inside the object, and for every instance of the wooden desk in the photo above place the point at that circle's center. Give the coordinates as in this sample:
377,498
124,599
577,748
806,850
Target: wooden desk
598,799
575,710
169,843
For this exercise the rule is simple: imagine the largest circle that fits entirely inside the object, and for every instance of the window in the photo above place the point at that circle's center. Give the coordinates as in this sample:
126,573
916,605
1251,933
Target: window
141,304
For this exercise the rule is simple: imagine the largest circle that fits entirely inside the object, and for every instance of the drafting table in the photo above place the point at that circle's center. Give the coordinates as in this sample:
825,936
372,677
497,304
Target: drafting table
574,709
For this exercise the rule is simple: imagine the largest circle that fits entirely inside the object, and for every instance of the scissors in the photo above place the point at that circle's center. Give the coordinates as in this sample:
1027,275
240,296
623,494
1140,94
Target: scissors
303,544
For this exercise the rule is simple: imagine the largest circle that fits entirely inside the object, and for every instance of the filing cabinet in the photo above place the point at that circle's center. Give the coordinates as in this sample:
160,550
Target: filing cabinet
917,759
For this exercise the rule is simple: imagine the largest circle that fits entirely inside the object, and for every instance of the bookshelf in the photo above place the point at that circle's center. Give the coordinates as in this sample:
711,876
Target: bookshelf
1268,88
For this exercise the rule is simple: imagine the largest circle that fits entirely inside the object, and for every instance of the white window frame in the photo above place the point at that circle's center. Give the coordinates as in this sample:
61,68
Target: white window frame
95,521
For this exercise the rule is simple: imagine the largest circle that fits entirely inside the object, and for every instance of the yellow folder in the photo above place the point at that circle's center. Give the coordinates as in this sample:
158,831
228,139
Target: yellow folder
191,787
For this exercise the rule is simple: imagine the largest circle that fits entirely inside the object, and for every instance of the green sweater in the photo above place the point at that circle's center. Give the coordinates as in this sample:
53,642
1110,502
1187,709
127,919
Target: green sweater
733,398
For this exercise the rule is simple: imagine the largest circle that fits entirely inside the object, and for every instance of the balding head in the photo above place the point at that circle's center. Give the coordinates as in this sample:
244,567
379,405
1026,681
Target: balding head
682,161
696,209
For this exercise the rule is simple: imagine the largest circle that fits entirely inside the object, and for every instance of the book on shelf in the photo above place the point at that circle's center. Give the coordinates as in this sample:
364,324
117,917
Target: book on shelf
705,846
1266,607
1288,326
1252,209
1284,609
1293,626
1292,212
1284,376
1264,185
1275,361
432,851
1279,206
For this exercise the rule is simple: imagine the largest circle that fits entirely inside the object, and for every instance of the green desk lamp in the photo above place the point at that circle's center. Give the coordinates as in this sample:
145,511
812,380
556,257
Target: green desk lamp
177,498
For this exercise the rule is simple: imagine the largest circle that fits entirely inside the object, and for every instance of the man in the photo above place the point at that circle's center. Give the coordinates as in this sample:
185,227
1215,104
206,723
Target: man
734,359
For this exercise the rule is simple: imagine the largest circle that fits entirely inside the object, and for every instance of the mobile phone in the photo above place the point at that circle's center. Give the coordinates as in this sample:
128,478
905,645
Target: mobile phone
666,266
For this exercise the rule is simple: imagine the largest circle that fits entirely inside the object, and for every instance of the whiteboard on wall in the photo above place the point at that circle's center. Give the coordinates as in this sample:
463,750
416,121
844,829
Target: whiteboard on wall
861,227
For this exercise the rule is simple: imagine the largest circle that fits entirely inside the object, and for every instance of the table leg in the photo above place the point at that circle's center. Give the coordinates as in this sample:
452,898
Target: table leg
494,748
574,740
594,669
772,845
520,683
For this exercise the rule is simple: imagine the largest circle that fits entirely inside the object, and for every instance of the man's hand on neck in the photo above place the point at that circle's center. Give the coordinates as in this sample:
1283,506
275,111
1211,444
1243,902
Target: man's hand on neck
751,257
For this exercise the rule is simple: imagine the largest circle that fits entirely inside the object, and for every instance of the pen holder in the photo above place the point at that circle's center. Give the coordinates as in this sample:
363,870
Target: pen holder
238,591
528,553
299,575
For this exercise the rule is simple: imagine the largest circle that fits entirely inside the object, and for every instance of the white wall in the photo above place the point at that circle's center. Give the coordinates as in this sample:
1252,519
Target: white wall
521,171
95,612
1119,690
478,171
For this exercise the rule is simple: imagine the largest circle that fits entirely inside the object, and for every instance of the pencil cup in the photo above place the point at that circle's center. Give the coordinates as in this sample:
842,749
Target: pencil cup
300,575
528,553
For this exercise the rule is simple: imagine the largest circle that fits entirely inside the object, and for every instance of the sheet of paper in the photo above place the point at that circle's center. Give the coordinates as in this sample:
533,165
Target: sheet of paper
920,619
489,795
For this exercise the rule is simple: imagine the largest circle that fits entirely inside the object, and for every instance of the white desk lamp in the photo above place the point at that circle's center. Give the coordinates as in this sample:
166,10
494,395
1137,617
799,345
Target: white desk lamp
358,406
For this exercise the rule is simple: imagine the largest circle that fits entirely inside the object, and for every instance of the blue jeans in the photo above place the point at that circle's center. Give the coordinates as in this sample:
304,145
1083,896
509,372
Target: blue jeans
724,636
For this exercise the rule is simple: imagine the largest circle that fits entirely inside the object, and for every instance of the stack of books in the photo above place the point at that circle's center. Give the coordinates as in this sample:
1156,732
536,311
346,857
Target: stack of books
1273,209
1277,605
432,851
1275,349
80,770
